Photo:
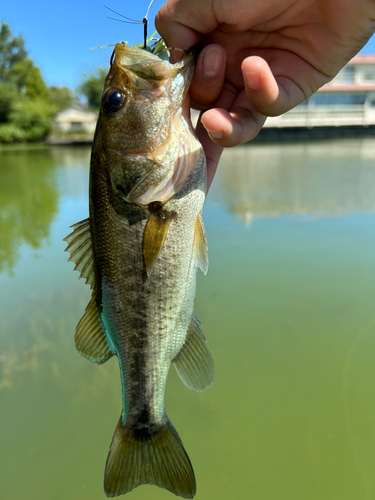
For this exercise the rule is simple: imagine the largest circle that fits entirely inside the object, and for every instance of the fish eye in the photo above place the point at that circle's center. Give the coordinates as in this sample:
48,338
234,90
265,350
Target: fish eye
113,101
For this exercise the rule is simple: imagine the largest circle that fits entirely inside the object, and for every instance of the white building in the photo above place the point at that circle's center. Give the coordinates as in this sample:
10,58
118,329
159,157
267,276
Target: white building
75,119
347,101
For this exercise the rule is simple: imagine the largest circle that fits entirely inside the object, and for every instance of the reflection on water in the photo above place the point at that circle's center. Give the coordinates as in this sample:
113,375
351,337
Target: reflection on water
319,178
28,201
287,308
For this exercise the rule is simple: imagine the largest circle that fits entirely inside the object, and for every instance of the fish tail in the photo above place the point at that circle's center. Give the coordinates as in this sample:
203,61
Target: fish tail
148,456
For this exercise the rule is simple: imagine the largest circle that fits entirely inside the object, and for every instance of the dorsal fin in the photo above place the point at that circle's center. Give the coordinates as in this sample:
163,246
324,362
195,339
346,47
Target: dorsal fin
80,250
200,245
154,236
90,339
194,363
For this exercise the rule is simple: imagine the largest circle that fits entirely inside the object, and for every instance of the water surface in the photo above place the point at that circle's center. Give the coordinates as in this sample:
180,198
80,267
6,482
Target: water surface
287,308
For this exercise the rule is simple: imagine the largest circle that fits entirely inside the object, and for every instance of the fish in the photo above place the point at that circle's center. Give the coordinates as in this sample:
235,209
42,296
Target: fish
139,250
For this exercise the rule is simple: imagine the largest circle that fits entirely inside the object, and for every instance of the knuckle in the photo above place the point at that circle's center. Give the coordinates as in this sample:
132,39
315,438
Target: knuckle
204,95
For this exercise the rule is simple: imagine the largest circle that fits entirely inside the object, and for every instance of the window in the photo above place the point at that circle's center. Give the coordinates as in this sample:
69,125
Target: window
348,74
340,100
368,75
76,126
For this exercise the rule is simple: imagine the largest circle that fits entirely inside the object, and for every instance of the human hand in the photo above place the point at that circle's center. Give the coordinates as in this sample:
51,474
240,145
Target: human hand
260,58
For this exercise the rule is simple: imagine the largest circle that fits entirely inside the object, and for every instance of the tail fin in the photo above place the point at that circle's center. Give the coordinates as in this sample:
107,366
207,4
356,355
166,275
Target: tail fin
154,458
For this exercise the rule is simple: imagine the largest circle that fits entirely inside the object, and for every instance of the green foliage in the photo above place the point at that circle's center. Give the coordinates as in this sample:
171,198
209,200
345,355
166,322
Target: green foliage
61,97
8,96
29,120
28,79
92,86
33,117
12,50
11,133
16,68
27,105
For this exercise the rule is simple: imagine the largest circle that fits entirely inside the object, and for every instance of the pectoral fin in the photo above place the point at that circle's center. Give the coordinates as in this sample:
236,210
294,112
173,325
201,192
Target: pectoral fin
90,339
200,245
80,250
194,363
154,236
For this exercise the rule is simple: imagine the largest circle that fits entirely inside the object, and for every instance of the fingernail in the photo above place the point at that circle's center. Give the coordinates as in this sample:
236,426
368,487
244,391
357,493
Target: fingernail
252,79
217,134
212,61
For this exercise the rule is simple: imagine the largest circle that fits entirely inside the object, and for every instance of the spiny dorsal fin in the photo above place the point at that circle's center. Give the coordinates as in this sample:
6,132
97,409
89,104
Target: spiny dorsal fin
194,363
80,250
155,233
90,339
148,455
200,245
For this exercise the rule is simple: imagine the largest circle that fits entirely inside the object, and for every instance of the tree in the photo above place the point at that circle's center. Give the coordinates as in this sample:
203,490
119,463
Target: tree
8,97
92,86
17,68
27,105
33,117
61,97
12,50
28,79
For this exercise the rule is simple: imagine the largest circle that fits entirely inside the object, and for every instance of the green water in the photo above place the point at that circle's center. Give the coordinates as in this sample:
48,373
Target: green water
287,308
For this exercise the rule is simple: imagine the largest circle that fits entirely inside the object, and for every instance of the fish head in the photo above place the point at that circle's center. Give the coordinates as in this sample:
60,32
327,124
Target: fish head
144,138
142,95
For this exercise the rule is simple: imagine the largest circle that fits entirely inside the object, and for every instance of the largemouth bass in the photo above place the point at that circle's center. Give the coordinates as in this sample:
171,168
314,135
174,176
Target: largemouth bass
139,250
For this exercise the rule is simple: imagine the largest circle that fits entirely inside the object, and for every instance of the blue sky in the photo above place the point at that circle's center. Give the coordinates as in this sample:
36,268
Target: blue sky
59,34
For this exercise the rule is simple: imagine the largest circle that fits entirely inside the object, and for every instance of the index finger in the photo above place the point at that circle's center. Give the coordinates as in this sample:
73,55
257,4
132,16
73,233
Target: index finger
182,24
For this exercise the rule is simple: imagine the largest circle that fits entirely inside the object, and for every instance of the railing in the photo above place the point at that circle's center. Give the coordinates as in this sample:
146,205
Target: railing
310,116
354,110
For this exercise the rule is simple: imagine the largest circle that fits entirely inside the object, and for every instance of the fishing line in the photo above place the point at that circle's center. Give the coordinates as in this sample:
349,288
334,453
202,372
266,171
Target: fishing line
148,9
145,23
121,21
128,18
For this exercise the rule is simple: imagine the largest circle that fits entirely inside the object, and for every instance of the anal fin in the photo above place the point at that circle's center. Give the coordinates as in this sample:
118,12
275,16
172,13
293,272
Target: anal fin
194,363
90,339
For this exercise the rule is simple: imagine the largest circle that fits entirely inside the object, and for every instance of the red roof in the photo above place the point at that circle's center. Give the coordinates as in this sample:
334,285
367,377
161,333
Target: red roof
350,87
363,59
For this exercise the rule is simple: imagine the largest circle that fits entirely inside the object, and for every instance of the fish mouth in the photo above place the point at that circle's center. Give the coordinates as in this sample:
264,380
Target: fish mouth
129,56
146,64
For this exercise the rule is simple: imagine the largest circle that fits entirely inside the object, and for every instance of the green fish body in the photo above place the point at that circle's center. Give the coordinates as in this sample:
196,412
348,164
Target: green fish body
139,251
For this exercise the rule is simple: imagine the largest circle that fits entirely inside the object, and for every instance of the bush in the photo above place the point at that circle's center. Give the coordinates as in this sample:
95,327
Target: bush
8,96
33,117
11,133
29,120
92,87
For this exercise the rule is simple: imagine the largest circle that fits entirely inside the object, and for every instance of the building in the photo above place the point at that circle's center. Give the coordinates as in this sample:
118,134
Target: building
75,120
348,101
